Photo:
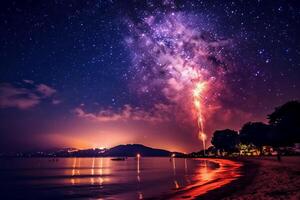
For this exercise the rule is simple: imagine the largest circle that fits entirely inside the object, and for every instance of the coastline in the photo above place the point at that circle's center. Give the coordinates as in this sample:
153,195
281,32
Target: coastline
262,178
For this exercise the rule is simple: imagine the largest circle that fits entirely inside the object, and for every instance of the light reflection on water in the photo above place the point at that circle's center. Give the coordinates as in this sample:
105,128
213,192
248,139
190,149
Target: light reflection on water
102,178
211,178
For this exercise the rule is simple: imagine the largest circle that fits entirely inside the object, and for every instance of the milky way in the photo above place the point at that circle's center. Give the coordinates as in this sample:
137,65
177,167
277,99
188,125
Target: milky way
172,56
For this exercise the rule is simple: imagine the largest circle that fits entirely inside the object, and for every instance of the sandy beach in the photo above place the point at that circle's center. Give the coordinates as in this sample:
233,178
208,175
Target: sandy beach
263,178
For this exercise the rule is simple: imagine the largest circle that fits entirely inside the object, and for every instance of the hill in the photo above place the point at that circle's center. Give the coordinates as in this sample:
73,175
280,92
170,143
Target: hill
131,150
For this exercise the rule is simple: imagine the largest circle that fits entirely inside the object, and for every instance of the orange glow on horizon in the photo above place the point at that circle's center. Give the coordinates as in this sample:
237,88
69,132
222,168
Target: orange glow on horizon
95,139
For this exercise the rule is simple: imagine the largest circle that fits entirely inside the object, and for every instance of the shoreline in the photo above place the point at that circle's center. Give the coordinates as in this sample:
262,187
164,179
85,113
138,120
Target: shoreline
262,178
248,172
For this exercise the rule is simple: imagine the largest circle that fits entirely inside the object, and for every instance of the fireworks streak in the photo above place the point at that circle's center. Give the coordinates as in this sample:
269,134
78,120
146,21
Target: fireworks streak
199,88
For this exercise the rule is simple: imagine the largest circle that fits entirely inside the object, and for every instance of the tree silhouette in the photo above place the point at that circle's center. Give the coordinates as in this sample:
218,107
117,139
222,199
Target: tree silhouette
256,133
225,140
285,122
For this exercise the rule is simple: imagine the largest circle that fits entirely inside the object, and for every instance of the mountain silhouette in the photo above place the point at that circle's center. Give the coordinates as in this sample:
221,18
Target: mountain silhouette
131,150
128,150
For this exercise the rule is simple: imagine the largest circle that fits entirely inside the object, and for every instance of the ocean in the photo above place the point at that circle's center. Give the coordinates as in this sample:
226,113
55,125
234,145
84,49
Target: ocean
104,178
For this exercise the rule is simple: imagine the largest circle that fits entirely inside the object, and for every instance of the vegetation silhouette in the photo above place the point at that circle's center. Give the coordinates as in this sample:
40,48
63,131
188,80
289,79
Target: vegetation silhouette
282,130
256,133
285,123
226,140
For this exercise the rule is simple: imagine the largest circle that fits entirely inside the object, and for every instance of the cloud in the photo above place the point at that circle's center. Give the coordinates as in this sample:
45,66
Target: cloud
159,113
21,97
45,90
28,81
56,101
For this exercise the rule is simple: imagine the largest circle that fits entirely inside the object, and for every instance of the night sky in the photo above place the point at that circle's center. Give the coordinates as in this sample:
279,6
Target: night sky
89,74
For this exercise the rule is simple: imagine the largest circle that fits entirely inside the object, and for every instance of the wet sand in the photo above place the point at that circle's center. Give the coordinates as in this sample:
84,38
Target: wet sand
263,178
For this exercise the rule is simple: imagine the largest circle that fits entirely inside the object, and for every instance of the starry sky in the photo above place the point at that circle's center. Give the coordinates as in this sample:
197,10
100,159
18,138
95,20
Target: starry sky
99,73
